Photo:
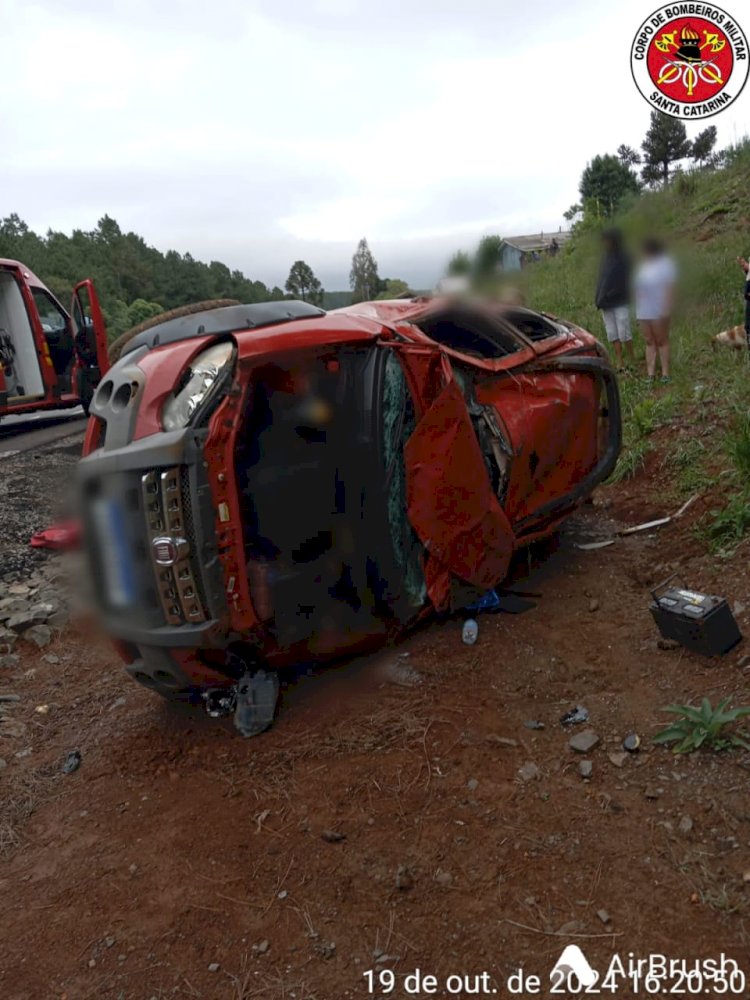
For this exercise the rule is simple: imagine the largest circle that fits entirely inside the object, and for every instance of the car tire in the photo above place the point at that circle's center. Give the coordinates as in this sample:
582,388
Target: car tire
85,391
118,345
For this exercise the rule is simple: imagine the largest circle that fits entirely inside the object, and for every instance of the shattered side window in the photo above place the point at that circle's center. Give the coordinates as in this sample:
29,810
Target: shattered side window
399,421
532,325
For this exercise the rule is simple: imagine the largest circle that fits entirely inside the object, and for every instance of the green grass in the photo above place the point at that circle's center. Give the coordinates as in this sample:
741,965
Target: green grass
705,217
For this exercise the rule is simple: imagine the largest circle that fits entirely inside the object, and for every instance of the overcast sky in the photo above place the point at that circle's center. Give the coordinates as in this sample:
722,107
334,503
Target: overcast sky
261,132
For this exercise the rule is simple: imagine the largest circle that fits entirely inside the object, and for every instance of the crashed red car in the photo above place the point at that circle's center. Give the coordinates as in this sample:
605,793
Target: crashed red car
271,484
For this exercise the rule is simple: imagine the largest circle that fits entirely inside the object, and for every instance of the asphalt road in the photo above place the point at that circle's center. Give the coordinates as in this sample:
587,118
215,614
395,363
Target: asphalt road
23,433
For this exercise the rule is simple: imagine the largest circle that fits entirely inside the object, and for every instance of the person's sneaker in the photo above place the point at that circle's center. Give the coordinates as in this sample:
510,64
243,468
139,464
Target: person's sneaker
665,379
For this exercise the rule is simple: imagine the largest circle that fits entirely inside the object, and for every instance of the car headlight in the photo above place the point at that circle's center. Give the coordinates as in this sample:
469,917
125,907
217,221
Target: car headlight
198,381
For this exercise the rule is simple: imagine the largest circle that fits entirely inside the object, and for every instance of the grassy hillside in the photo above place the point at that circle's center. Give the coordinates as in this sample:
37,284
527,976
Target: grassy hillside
693,435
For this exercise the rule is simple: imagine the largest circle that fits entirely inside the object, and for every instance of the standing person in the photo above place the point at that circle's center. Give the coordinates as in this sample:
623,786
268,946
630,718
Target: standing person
746,268
613,294
654,299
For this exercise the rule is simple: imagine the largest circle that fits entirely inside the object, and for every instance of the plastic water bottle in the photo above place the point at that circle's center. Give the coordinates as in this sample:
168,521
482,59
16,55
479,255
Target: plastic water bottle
470,632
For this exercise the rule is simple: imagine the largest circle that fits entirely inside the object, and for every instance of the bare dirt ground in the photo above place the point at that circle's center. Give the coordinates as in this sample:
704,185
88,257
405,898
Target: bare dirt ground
383,822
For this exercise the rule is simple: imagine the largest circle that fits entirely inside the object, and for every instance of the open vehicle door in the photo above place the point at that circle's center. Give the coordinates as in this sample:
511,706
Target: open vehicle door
92,361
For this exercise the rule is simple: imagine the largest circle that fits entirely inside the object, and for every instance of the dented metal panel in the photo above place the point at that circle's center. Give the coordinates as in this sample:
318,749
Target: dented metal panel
450,501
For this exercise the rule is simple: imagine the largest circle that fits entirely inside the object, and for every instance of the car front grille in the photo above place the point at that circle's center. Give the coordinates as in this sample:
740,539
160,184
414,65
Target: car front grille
168,510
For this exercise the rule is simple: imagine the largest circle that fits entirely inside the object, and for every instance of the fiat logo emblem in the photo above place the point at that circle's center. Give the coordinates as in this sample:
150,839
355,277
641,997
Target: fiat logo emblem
165,551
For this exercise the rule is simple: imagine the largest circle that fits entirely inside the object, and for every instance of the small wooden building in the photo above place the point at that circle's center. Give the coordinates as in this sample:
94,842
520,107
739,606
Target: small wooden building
518,251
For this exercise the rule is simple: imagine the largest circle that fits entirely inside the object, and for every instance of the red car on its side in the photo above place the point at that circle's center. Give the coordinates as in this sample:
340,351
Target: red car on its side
269,484
48,358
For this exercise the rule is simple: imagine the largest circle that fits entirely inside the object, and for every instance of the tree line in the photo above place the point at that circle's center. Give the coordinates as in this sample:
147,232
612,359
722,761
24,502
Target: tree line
136,281
611,177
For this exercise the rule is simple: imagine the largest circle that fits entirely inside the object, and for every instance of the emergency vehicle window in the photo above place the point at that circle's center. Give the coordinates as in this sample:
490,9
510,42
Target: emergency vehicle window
52,318
57,333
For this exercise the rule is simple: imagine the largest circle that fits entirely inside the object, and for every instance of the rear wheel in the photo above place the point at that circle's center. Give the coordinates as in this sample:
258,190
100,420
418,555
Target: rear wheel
118,346
85,391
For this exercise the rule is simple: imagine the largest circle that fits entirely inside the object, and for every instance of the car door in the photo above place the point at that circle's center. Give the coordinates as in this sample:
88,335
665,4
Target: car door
553,408
92,361
452,502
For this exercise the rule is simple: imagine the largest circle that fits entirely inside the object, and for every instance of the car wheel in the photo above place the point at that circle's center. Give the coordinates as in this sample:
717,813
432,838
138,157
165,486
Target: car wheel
85,392
117,346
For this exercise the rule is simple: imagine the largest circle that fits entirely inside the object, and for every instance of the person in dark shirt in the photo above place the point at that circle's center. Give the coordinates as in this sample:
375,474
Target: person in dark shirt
746,268
613,294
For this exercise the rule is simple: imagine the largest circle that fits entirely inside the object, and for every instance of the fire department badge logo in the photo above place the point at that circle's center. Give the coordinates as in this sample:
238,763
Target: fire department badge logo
690,60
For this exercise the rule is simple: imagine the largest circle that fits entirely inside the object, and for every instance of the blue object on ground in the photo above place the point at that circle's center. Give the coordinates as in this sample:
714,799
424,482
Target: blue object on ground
487,602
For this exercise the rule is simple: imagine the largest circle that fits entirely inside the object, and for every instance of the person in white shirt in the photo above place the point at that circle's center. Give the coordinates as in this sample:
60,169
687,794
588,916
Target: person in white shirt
654,285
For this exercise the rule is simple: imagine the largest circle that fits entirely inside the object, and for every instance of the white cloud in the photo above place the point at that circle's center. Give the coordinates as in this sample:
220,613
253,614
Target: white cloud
262,132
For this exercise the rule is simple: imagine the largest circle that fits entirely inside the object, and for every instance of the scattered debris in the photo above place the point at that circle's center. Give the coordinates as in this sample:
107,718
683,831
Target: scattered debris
42,709
443,878
261,947
404,878
593,605
617,759
72,762
326,949
667,644
653,793
631,743
403,674
214,967
585,768
646,526
487,602
332,836
503,741
470,632
685,825
575,715
508,601
10,697
472,784
604,916
702,623
583,742
529,771
533,724
661,520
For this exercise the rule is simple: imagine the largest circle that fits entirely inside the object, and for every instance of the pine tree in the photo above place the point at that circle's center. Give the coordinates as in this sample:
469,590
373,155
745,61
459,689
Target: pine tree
363,277
605,182
666,142
302,283
702,150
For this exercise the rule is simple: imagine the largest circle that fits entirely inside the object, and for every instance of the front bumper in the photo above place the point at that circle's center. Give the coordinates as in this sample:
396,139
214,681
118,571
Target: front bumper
148,519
